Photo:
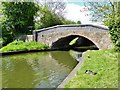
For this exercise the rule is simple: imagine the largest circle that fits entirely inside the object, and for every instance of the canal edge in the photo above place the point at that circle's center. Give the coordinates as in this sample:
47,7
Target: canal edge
72,73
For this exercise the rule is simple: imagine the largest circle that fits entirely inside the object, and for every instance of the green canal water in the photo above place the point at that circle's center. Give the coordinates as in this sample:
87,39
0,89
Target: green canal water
37,70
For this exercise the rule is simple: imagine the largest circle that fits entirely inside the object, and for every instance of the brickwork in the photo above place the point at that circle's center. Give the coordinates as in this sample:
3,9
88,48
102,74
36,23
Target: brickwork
97,34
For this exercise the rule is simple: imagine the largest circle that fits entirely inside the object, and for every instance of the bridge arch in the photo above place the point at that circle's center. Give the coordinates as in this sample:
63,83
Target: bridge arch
64,42
97,34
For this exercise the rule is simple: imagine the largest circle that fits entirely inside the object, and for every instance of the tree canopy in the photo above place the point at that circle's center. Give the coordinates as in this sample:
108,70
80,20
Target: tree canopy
47,18
56,6
17,17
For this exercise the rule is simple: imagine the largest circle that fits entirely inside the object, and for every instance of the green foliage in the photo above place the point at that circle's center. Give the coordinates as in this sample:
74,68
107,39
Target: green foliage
105,63
17,17
109,12
73,41
7,35
1,42
20,45
1,14
99,10
114,28
78,22
56,6
47,18
117,48
70,22
113,23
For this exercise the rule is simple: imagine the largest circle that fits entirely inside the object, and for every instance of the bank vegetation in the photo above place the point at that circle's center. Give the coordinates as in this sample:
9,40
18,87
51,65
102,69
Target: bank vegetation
99,70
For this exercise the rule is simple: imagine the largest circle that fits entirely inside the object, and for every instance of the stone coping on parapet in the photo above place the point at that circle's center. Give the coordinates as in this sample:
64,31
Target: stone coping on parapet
73,25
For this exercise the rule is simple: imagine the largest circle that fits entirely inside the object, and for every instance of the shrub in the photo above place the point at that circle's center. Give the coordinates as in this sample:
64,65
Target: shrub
114,28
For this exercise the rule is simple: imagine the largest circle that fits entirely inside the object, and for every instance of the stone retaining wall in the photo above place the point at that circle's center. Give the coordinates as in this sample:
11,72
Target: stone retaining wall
26,38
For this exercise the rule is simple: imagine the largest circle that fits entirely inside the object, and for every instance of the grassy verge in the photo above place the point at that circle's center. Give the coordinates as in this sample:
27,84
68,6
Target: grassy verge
105,63
20,45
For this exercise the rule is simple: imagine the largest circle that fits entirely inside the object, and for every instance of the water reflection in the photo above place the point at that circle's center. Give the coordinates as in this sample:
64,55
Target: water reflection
36,70
76,55
65,58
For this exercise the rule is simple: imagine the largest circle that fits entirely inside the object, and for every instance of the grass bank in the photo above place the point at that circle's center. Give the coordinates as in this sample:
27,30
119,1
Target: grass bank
104,63
21,45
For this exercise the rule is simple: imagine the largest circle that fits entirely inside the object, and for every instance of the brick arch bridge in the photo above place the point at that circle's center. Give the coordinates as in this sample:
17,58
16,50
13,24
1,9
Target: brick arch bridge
61,35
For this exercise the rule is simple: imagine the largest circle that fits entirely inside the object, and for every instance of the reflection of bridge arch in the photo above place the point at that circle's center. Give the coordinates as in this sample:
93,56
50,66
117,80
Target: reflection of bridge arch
64,57
96,34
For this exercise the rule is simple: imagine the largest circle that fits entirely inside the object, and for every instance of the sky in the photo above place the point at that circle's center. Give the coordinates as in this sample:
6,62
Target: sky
76,11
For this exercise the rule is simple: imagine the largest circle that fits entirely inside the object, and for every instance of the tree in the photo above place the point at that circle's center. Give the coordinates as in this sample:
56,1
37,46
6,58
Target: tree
109,13
47,18
78,22
70,22
50,13
18,16
103,11
56,6
114,26
98,10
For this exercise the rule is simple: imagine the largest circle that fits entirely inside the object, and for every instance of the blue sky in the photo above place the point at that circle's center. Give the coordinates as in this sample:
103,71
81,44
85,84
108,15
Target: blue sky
77,3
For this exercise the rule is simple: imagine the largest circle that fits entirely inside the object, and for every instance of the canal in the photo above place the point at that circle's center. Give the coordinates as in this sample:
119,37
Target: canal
38,70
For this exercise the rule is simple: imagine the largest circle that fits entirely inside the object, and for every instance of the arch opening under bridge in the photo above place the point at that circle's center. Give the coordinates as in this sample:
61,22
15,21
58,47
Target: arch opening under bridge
83,42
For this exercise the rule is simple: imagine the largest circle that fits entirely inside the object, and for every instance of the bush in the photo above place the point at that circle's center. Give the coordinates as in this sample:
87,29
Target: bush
1,42
21,45
117,48
114,27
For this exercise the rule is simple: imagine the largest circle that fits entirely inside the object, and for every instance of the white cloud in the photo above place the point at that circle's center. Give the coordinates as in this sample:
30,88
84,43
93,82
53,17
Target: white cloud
75,12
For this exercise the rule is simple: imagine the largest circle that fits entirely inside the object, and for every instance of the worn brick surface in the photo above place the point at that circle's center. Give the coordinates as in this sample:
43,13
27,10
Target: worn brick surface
97,34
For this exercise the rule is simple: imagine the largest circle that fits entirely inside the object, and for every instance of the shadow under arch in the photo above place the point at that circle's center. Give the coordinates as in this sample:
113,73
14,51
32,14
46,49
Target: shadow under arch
63,43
